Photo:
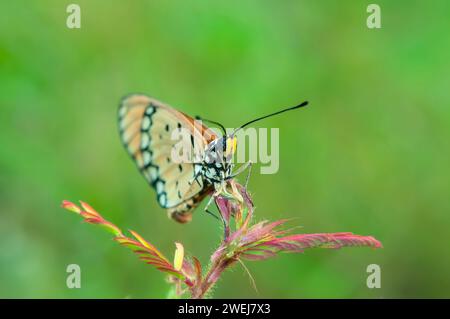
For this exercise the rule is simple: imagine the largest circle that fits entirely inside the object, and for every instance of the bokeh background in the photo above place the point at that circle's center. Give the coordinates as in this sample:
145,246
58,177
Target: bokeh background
370,155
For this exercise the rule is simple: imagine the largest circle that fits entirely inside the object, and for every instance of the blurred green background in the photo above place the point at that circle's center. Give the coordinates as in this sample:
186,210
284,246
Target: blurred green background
369,156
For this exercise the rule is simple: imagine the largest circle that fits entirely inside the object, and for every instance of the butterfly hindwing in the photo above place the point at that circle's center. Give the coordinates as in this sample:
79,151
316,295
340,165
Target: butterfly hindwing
146,128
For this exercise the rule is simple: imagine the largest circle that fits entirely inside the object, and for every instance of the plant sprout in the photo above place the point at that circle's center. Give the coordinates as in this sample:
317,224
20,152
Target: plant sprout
243,240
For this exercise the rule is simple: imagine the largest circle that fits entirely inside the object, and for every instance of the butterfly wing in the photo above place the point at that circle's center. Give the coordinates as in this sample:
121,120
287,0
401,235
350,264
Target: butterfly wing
146,128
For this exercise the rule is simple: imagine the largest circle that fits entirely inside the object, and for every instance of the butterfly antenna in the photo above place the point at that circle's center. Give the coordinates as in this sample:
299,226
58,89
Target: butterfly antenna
269,115
213,122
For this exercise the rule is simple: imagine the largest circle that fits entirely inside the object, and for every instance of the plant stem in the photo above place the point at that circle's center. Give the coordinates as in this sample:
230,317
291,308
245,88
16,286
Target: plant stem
212,276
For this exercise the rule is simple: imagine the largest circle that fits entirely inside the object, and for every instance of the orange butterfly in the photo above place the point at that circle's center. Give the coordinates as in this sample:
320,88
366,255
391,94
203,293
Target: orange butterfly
147,128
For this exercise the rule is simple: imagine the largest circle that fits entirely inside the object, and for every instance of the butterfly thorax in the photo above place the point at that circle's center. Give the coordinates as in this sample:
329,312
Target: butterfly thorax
216,165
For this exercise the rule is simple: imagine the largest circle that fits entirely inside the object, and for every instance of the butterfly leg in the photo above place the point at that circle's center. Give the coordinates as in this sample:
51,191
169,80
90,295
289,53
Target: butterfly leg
250,163
214,215
209,204
242,169
222,219
196,176
196,179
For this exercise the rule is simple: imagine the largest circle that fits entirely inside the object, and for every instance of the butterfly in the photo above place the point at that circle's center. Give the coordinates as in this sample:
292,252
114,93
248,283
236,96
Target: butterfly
148,130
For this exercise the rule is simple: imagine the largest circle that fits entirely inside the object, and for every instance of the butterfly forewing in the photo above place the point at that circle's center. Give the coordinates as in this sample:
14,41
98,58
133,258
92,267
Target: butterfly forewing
147,131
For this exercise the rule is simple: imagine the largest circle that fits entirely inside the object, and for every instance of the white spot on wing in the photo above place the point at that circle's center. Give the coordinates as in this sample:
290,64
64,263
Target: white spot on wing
122,124
153,173
122,111
146,123
145,141
159,187
162,200
147,157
